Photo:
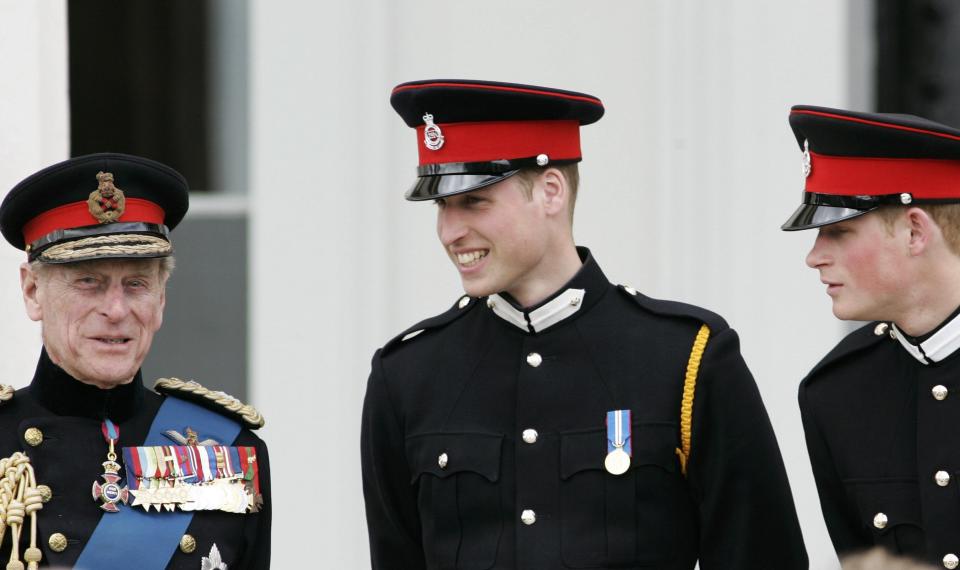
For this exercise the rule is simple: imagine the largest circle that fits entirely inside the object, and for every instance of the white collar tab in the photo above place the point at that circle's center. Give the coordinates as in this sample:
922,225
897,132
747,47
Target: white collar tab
939,346
561,307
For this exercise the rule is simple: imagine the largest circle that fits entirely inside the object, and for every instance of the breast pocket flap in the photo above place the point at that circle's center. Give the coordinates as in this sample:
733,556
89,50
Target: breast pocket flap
887,504
586,450
444,454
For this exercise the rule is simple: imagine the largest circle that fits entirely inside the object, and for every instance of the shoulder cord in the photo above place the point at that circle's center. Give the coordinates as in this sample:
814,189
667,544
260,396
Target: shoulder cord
689,389
19,497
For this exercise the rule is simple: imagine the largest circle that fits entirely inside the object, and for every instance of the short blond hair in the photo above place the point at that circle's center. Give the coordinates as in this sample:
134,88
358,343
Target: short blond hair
570,172
946,216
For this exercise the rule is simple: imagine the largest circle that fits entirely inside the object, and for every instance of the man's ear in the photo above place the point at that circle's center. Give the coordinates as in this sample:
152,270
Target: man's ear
555,191
163,301
30,287
923,230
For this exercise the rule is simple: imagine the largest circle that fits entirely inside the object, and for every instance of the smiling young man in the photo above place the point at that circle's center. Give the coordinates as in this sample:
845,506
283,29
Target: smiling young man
551,419
109,474
878,411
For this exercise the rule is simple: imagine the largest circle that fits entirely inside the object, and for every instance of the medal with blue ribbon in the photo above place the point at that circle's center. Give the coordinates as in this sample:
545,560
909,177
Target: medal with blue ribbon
619,449
110,492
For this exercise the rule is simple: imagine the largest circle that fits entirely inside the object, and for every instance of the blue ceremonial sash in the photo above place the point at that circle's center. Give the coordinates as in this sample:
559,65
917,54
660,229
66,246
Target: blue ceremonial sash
134,538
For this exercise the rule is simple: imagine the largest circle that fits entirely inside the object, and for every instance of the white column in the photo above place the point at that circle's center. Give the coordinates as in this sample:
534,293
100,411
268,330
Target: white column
685,183
34,132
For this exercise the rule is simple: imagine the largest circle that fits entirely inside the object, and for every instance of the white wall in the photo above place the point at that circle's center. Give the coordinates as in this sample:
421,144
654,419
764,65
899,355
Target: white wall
33,133
685,183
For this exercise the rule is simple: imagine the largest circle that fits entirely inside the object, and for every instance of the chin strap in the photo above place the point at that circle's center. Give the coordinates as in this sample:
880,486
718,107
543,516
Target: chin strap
19,497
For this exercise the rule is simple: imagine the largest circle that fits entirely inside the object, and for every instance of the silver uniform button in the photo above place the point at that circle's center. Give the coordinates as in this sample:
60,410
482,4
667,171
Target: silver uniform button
881,329
942,478
630,290
534,359
880,520
443,460
940,392
950,561
530,436
464,301
528,517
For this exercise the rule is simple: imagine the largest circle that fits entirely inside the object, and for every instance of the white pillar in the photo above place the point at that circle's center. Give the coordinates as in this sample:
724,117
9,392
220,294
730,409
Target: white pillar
685,183
34,132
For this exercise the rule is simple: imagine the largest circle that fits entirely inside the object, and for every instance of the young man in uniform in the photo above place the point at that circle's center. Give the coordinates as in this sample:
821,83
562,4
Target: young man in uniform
104,473
880,411
550,419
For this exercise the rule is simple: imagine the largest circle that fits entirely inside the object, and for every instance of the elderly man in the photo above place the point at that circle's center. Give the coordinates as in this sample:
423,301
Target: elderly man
103,472
551,419
880,411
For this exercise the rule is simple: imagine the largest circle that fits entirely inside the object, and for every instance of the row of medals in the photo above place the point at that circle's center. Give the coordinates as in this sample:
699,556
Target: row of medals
232,494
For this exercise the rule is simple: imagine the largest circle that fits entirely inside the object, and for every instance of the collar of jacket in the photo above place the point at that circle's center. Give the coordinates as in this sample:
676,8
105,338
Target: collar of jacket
64,395
936,345
582,291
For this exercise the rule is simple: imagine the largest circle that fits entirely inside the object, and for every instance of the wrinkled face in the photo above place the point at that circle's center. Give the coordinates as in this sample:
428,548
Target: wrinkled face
496,237
862,264
98,317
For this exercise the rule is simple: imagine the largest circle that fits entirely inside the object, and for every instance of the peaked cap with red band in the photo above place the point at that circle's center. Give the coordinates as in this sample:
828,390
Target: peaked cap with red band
471,134
856,162
95,206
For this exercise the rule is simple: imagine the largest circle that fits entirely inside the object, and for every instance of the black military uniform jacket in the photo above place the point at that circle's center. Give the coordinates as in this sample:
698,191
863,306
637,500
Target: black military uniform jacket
483,441
882,419
69,459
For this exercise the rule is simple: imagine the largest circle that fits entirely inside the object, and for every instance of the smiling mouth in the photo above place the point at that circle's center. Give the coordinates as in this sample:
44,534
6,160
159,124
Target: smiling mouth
471,258
112,341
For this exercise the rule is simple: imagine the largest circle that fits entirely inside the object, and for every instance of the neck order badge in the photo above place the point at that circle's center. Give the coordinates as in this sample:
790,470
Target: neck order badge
111,492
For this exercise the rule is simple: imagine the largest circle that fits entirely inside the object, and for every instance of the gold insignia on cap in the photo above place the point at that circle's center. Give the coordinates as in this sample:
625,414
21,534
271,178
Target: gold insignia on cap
432,135
106,203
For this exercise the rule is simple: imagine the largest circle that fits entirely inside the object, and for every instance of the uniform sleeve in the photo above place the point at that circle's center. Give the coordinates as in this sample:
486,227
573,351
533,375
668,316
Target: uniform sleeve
393,523
839,513
747,516
257,529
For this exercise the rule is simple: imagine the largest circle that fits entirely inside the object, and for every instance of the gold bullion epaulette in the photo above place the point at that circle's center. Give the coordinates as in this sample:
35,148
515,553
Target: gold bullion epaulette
214,400
6,392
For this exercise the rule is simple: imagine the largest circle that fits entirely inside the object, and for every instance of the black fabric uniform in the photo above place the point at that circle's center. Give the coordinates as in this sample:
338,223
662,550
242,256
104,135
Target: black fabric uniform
877,436
464,387
69,460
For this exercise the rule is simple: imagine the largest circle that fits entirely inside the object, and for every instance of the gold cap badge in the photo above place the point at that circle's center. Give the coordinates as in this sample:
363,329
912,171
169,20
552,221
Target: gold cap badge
106,203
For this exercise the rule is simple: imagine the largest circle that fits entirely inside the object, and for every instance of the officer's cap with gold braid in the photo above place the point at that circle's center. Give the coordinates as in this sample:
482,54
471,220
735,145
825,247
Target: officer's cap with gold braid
471,134
95,206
